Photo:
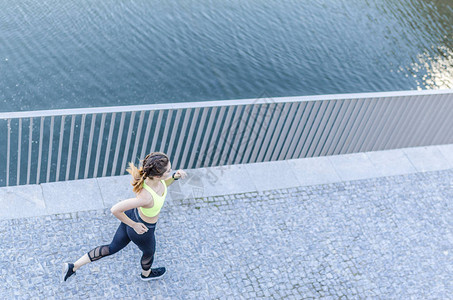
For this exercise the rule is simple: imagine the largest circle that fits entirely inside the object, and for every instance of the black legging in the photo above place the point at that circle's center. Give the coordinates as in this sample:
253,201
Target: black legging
124,234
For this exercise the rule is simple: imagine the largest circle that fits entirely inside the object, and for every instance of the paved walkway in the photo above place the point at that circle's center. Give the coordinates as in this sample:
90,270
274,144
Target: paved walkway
349,237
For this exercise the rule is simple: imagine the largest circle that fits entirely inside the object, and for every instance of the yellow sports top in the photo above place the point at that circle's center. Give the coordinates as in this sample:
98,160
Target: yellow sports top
158,201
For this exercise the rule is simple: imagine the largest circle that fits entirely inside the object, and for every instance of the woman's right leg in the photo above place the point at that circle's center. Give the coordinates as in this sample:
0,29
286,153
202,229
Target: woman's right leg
120,240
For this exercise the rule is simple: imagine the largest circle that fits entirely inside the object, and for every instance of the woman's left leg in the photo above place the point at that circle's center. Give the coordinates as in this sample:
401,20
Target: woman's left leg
147,244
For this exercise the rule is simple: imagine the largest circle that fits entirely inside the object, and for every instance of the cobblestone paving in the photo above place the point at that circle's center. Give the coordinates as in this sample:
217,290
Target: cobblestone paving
387,238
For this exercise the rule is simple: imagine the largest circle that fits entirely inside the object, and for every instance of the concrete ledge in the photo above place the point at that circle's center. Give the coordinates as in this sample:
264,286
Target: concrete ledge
313,171
100,193
427,159
271,175
22,201
114,189
72,196
391,162
447,152
354,167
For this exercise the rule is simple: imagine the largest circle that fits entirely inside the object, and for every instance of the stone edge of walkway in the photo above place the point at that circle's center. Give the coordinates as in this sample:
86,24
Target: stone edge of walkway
100,193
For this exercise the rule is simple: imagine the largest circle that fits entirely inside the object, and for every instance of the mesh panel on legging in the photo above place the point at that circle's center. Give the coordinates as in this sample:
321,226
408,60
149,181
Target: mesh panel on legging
99,252
147,261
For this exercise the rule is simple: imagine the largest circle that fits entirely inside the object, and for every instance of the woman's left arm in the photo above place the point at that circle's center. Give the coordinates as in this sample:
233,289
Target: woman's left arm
178,174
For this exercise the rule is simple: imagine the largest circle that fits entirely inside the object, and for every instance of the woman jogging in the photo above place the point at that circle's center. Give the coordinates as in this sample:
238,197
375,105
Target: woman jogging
138,216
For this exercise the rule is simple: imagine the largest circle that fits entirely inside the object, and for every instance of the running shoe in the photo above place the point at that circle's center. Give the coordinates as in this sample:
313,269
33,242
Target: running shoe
154,274
68,271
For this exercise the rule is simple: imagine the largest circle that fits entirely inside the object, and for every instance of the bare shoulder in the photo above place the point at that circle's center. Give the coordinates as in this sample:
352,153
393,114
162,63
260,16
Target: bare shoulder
145,197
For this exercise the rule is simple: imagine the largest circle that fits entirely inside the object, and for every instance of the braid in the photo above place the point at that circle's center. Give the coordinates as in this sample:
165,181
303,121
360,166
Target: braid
154,164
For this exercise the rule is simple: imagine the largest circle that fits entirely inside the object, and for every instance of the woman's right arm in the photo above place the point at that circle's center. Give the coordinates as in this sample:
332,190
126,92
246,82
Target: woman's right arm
119,209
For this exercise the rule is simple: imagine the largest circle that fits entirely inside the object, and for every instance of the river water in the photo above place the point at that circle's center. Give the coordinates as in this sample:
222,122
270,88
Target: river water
81,53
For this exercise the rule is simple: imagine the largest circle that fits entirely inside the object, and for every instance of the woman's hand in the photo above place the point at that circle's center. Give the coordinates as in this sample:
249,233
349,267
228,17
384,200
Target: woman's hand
140,228
180,174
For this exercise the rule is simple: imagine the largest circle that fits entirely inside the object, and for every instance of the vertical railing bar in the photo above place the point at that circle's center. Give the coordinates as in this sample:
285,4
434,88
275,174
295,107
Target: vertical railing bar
166,129
183,164
225,130
109,144
358,126
254,132
264,145
355,103
385,111
100,142
254,151
307,129
60,145
314,129
181,137
49,156
300,120
157,130
427,111
174,131
376,125
406,124
284,136
8,150
241,133
79,152
369,128
234,149
298,109
432,110
138,135
38,173
274,131
344,142
118,143
197,139
128,141
411,123
71,139
392,118
209,139
327,121
397,117
19,151
244,143
90,145
346,110
301,131
445,130
30,142
206,155
232,130
328,130
148,128
278,137
364,124
432,138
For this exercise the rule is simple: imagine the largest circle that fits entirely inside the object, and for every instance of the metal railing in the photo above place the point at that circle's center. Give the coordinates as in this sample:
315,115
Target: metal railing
54,145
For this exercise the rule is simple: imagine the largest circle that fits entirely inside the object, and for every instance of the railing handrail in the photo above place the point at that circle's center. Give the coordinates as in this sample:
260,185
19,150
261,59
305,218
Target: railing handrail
218,103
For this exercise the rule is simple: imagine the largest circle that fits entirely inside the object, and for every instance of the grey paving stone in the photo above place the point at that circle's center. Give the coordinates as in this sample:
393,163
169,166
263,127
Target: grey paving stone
385,238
